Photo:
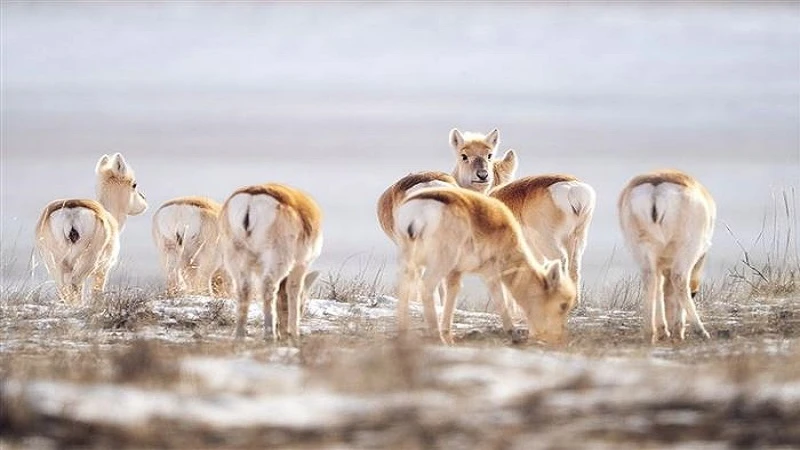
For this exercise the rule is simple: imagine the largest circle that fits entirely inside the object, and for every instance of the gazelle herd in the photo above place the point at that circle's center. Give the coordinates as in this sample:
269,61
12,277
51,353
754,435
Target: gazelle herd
524,238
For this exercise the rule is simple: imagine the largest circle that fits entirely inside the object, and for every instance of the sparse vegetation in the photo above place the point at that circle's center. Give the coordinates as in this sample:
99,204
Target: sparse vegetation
341,287
771,265
606,386
124,309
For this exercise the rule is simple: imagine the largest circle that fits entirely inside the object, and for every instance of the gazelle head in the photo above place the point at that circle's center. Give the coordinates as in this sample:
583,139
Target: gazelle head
117,190
547,299
477,164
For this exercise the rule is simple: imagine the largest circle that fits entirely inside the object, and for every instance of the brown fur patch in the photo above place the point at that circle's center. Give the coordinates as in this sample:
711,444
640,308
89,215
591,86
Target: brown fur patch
94,206
663,176
396,192
487,215
475,147
302,204
519,192
197,202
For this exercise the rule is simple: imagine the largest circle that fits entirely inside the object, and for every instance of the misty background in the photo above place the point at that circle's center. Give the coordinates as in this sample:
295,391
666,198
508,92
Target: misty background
342,99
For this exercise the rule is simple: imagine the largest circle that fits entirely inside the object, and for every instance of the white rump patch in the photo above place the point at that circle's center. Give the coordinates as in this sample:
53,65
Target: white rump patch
184,219
256,212
63,220
422,215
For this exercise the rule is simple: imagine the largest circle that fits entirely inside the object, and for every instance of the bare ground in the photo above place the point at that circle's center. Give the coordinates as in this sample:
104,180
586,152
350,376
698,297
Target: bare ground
144,371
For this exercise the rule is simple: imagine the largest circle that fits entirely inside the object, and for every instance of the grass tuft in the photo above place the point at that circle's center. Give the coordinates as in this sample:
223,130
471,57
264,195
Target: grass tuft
123,310
367,282
770,266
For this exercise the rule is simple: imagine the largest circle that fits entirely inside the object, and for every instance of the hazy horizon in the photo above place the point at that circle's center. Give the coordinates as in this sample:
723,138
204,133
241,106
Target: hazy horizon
341,100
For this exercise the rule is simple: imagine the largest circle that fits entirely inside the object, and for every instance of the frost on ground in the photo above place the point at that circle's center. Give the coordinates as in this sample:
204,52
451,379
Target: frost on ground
166,373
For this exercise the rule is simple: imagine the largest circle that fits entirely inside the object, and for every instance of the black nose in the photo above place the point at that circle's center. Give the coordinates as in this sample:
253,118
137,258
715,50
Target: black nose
482,174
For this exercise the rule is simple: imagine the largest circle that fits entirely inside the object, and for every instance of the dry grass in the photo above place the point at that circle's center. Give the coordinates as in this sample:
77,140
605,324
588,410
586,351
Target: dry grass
124,340
366,283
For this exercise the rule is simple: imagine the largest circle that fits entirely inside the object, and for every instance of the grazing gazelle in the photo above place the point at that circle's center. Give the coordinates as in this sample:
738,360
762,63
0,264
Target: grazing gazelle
79,238
186,234
667,218
454,231
270,233
555,212
477,167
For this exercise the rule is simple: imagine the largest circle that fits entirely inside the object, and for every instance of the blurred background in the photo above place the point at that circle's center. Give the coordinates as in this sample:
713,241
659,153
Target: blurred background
342,99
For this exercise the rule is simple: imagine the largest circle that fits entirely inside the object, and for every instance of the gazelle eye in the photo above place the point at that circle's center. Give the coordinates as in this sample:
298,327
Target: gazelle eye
464,157
489,157
134,185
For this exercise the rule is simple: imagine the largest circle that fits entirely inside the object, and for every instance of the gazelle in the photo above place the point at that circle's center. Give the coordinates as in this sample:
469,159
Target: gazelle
270,233
453,231
186,234
79,238
555,212
667,218
477,167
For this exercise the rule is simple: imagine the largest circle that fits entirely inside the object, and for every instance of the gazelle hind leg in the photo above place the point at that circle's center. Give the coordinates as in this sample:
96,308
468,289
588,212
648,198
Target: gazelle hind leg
294,288
680,287
407,286
430,282
242,286
453,282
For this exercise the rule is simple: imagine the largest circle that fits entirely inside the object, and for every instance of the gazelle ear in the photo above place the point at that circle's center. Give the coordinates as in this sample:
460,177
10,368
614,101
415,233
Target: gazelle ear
310,278
102,163
119,165
552,276
456,138
507,167
493,138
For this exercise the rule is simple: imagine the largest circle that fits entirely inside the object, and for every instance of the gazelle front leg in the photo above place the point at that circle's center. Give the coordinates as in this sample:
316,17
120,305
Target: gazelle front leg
498,296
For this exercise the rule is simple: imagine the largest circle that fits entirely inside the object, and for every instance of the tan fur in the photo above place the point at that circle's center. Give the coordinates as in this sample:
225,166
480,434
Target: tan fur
270,233
79,238
397,192
667,218
476,153
192,264
451,232
553,227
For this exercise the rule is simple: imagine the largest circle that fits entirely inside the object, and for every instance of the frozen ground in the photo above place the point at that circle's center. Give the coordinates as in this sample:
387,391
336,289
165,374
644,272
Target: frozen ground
165,372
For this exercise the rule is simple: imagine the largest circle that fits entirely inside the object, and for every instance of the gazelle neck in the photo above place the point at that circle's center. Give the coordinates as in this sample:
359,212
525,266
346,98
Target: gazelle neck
118,211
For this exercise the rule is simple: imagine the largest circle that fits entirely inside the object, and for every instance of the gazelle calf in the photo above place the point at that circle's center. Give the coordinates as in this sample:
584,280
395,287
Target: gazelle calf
477,167
555,212
453,231
186,234
667,218
79,238
270,233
